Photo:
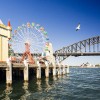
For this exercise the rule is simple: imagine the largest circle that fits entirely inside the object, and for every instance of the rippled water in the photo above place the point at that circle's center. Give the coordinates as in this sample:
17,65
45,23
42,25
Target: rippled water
80,84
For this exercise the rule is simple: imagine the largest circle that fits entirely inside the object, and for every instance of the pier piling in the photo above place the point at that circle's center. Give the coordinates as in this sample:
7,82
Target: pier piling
64,70
26,71
9,73
38,70
59,70
54,71
47,69
67,69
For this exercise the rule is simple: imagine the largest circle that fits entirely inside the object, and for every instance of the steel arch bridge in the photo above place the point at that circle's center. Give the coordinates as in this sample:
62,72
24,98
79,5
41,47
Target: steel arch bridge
88,47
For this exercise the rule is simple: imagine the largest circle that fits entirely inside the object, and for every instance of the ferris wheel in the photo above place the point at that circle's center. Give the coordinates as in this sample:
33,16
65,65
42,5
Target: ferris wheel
31,33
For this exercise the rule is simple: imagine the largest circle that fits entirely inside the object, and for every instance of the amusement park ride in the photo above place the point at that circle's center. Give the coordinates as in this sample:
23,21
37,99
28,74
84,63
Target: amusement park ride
27,39
27,54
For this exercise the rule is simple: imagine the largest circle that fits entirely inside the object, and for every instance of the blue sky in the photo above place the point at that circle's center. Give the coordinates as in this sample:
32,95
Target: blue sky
59,18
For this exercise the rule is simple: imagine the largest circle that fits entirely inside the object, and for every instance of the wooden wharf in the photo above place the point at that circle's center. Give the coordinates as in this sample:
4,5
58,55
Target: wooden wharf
10,66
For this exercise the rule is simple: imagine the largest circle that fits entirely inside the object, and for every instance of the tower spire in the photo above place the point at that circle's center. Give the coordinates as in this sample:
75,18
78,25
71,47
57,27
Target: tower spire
9,24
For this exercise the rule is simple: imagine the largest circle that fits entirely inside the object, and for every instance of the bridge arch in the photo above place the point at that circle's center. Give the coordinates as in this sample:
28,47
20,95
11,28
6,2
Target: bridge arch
87,47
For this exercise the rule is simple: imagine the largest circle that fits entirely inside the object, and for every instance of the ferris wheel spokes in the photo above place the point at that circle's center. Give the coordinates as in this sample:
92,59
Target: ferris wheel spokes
32,34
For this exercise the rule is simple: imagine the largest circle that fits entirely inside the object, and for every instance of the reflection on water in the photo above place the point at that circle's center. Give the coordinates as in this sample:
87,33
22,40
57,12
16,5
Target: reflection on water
26,91
55,78
7,92
39,85
59,76
48,87
79,84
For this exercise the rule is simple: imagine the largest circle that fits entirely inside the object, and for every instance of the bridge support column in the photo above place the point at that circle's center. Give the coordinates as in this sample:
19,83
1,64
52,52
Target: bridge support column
9,73
38,70
26,71
47,69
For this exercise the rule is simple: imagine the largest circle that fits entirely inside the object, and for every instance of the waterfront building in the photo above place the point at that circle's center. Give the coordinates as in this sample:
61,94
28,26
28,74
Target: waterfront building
5,35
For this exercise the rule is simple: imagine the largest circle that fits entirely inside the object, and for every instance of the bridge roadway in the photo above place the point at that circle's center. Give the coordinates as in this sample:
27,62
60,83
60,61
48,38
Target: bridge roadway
71,54
78,54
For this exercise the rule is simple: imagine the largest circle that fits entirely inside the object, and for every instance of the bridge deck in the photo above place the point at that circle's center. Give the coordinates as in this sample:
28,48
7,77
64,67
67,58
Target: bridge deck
78,54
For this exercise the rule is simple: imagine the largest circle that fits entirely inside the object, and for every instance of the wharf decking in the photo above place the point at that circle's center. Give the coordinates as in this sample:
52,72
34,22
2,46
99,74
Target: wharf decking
8,67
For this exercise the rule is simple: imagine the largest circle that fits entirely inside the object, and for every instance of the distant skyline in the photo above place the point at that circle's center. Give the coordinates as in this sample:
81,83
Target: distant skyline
59,18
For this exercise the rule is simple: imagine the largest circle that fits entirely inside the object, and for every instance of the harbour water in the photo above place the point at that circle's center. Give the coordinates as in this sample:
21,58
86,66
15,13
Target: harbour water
79,84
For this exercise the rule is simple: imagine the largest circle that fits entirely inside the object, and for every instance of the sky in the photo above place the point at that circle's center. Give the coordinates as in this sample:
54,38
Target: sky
59,18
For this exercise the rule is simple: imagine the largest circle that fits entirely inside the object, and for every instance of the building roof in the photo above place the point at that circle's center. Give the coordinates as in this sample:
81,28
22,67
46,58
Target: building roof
4,26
